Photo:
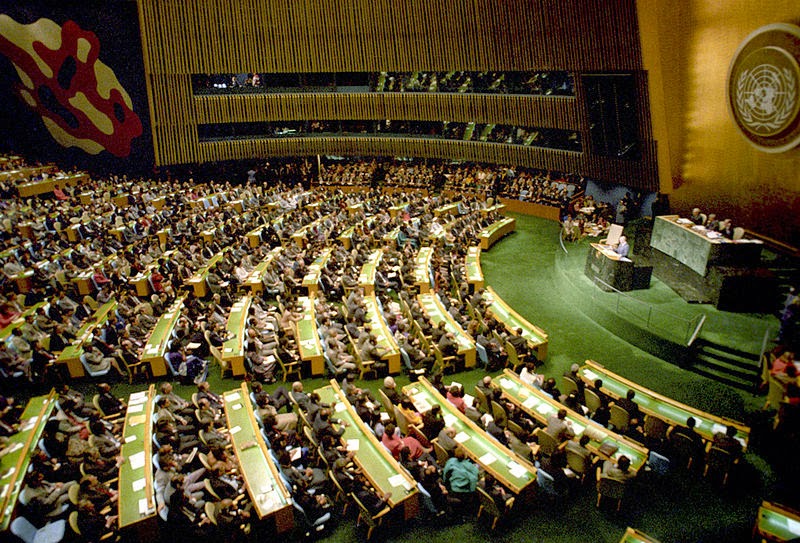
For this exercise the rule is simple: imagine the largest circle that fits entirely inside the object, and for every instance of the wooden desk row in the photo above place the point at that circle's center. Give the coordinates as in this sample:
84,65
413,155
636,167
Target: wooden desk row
492,233
536,337
539,406
14,464
651,403
307,337
472,266
512,471
71,355
156,346
233,349
382,471
267,492
136,503
435,311
311,279
254,281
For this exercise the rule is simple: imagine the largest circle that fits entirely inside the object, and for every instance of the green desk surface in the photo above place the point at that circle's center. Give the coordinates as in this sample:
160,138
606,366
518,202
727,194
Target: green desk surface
508,468
157,342
378,326
635,536
367,276
422,265
392,235
202,273
315,268
539,405
237,320
666,409
494,227
449,208
436,312
264,485
14,465
513,320
258,272
777,522
75,349
495,207
136,494
383,471
473,265
307,336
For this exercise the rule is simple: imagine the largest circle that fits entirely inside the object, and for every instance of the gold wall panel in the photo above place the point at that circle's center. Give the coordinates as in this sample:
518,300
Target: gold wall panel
705,161
181,38
499,109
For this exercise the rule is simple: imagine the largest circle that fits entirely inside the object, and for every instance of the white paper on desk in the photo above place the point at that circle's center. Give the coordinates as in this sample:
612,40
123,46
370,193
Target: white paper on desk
384,416
130,438
529,403
449,419
718,428
137,397
143,506
341,406
136,460
461,437
469,400
487,459
14,447
232,397
590,374
369,405
517,470
138,484
136,401
138,408
397,480
422,405
578,429
352,444
505,383
11,471
236,429
236,406
228,349
4,491
793,525
543,408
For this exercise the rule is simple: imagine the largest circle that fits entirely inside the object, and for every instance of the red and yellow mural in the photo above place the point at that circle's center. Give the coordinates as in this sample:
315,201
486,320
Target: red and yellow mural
79,98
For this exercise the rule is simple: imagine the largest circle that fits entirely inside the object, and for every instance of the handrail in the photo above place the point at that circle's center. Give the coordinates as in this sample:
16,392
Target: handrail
696,331
648,320
773,243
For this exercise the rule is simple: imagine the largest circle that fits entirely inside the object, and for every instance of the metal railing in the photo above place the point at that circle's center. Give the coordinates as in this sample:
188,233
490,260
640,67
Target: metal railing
669,325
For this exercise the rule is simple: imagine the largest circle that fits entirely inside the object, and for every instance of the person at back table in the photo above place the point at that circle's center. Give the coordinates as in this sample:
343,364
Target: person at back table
622,247
696,216
619,471
727,442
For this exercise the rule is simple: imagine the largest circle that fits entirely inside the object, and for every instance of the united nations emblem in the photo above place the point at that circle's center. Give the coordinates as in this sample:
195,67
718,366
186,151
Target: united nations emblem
764,88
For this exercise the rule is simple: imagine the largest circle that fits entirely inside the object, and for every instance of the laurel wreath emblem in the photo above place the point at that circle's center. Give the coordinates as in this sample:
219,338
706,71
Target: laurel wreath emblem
782,112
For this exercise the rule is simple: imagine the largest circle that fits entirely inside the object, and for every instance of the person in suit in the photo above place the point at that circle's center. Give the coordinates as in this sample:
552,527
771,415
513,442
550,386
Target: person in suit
689,431
559,427
727,442
622,247
619,471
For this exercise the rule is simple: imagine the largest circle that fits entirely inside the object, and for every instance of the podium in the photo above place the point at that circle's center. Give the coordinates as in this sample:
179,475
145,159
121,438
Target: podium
611,272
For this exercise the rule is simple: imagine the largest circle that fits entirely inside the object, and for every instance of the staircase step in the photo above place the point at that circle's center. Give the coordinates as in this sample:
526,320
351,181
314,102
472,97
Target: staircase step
722,368
729,355
709,372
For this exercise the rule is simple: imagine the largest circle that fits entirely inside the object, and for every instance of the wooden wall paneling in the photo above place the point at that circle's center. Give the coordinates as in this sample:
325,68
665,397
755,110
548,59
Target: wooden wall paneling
549,112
